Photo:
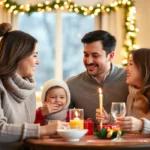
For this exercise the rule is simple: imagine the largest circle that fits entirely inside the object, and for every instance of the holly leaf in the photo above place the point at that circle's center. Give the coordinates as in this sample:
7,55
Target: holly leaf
101,134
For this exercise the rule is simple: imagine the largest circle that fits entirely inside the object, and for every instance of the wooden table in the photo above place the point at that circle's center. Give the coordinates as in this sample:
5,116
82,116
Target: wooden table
90,142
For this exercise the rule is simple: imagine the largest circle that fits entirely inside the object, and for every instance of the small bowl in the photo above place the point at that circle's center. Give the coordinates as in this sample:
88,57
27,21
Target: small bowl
72,135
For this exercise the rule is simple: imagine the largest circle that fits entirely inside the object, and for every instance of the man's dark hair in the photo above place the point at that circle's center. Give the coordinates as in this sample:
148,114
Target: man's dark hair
108,40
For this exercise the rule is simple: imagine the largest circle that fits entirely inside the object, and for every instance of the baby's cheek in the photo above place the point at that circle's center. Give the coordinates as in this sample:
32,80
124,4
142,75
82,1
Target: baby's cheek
63,105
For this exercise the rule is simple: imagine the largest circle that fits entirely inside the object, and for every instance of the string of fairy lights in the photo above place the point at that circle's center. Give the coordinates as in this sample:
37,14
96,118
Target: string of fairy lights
68,5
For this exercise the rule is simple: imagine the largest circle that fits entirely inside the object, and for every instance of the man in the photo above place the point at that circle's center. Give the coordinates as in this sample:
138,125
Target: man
98,52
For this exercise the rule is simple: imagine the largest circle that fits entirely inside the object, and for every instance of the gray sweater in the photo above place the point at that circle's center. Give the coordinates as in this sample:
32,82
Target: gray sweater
84,91
17,111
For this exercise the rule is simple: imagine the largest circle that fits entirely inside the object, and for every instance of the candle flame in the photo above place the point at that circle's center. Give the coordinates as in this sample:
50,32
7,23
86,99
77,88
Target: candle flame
76,114
100,90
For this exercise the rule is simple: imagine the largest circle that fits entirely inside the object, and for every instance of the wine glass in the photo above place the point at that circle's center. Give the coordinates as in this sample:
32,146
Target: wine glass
118,110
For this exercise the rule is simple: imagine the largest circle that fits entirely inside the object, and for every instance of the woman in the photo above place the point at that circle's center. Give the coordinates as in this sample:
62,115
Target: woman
18,59
138,101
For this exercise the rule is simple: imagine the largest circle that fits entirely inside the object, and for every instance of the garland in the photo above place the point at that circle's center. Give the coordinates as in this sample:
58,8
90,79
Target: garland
130,10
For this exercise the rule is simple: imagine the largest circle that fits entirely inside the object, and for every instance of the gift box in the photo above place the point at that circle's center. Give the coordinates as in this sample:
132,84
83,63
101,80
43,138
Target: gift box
88,124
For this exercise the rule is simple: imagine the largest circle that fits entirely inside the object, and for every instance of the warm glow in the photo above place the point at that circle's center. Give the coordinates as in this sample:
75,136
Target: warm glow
47,2
76,114
100,91
57,1
1,2
56,6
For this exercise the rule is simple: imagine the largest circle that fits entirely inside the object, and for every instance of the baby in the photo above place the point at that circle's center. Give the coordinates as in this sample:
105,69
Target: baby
56,99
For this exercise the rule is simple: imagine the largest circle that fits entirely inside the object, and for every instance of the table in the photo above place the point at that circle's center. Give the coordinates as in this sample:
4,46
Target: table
90,142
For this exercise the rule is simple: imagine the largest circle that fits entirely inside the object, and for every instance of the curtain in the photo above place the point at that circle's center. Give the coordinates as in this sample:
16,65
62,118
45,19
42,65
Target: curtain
4,15
114,23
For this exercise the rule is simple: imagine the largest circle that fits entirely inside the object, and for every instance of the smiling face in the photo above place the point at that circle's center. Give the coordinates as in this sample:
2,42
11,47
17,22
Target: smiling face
95,59
57,95
27,65
133,74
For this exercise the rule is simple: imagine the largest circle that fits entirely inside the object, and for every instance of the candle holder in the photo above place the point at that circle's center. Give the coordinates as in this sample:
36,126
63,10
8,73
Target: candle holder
76,117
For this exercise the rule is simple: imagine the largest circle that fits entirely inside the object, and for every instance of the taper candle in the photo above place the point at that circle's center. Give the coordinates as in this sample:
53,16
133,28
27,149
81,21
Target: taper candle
100,104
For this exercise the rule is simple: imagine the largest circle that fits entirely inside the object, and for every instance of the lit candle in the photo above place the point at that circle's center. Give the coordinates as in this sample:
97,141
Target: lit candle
76,122
100,104
76,115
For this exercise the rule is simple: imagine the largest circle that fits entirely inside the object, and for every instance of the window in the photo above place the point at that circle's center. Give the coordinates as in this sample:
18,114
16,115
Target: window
43,27
74,28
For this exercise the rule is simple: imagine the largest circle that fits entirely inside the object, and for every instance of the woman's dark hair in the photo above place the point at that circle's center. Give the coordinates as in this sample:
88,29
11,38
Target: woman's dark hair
141,58
108,41
14,46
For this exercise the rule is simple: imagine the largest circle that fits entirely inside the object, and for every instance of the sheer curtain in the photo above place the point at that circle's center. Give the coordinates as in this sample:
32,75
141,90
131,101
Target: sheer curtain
4,15
114,23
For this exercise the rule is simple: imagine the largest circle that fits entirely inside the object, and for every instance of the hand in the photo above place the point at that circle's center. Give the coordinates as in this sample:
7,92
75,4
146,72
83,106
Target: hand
48,108
104,117
52,128
130,124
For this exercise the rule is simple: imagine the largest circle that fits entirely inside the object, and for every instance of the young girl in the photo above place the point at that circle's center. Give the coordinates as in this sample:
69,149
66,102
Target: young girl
56,99
138,101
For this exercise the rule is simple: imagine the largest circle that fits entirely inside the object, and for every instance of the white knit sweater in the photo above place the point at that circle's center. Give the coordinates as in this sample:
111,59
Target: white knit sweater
17,111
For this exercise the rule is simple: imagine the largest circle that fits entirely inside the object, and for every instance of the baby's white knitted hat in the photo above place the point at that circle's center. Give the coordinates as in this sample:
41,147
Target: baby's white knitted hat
53,82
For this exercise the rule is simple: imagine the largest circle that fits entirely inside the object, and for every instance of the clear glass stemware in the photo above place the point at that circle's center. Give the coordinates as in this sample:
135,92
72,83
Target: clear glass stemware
118,110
